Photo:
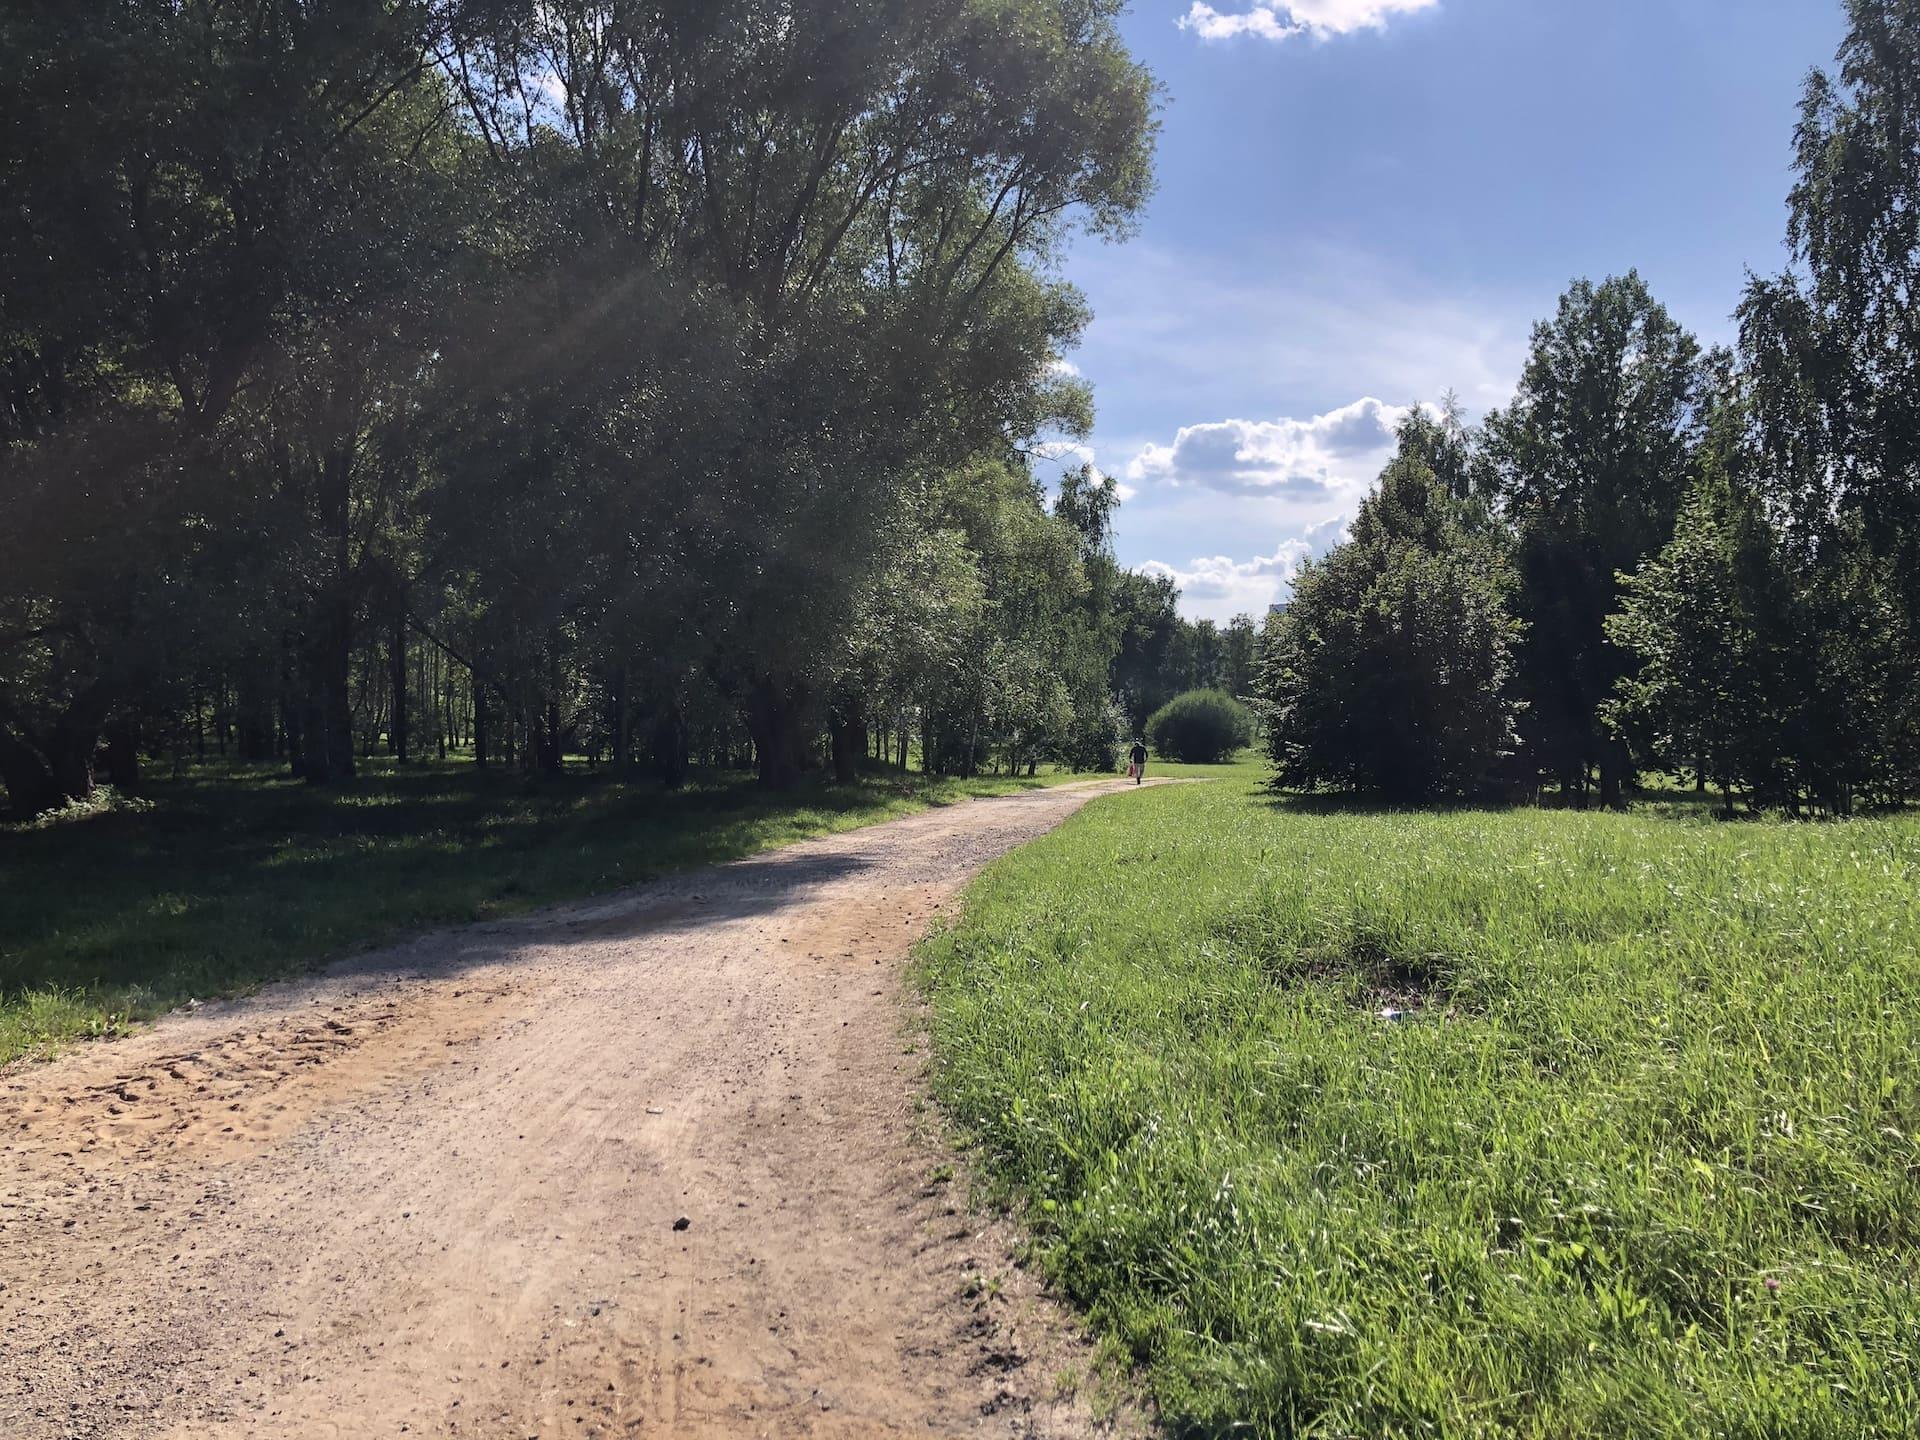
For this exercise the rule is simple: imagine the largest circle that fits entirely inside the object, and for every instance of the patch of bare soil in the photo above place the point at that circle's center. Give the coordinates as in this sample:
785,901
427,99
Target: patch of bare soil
651,1165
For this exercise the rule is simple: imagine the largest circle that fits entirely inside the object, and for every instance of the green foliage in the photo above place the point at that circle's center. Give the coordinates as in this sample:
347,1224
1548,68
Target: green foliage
1161,654
1589,465
613,370
1201,727
1640,1161
1834,371
1713,625
1390,672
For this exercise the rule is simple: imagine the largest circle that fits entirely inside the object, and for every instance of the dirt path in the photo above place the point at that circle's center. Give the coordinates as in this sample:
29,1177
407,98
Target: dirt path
439,1191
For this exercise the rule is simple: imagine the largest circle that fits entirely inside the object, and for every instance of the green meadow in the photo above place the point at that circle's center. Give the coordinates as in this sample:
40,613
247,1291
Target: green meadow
1633,1152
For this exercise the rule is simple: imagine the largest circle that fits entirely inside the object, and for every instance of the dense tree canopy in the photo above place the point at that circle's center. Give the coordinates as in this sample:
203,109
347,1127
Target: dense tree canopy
1588,466
612,353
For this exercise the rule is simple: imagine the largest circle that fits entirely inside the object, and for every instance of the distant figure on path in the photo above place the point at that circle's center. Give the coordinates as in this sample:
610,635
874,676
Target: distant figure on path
1137,762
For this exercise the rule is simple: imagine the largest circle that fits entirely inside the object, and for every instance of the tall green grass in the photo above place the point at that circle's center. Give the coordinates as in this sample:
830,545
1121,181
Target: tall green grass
1641,1159
228,877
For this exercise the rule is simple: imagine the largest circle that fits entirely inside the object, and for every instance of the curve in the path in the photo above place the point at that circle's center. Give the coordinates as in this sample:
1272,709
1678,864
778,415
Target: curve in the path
650,1165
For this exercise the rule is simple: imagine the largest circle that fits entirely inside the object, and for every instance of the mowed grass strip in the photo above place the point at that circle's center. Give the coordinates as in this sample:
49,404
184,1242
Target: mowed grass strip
1639,1161
230,877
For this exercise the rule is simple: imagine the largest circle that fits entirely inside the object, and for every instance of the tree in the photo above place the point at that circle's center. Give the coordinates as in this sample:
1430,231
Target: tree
1589,465
1710,622
209,231
1146,673
603,348
1242,651
1391,672
1832,350
867,193
1087,502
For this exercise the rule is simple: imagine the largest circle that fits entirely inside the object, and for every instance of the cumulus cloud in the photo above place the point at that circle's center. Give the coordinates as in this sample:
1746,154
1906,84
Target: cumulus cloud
1328,533
1329,454
1222,586
1283,19
1218,587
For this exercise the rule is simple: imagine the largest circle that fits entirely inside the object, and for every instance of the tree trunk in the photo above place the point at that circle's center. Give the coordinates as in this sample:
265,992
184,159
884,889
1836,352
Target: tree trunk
1614,764
326,710
774,716
397,666
30,786
123,757
479,722
326,719
847,739
619,721
43,772
668,751
552,758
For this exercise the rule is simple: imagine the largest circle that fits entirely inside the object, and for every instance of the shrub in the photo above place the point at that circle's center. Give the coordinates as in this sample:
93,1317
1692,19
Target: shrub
1201,727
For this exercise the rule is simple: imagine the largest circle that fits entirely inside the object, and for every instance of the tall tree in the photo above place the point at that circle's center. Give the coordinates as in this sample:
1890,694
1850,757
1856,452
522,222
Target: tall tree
1711,624
1390,672
1589,465
1832,348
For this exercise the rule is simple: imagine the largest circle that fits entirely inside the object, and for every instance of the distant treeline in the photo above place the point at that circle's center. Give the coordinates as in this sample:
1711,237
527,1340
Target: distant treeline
1655,557
651,381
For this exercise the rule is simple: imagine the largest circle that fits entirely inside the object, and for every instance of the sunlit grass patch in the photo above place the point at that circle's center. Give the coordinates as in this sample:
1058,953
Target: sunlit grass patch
1638,1157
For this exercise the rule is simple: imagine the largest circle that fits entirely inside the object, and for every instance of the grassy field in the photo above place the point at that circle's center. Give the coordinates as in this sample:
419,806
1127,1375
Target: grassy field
228,878
1638,1158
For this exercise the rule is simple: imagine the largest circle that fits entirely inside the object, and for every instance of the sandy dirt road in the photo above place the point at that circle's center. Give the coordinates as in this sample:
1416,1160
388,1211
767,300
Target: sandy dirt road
439,1190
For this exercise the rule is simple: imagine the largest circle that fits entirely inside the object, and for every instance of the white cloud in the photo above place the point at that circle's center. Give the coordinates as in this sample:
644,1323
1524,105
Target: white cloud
1328,533
1329,455
1180,339
1218,587
1283,19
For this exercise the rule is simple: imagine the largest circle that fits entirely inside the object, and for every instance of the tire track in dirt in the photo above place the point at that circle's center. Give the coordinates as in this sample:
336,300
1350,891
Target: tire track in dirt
437,1191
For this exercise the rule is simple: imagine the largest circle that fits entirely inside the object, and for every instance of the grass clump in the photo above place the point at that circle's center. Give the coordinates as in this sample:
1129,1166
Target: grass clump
1641,1161
118,911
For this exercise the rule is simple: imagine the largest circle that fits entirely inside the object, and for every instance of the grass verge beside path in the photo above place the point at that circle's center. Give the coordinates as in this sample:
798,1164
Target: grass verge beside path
231,878
1641,1159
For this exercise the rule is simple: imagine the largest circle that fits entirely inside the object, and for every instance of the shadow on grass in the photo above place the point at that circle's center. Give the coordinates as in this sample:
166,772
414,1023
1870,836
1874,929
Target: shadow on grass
1657,803
233,876
1316,802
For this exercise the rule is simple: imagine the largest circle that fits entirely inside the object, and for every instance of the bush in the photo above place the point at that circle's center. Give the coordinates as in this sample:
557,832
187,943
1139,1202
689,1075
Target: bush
1201,727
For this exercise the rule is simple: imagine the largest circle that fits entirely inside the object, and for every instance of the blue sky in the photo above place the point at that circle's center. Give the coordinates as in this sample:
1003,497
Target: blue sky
1364,203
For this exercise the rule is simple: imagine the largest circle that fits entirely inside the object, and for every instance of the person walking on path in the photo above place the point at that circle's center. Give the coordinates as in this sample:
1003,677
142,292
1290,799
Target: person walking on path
1137,761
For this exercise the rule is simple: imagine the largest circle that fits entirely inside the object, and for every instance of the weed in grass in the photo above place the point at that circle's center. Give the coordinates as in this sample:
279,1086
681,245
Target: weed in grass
1649,1166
